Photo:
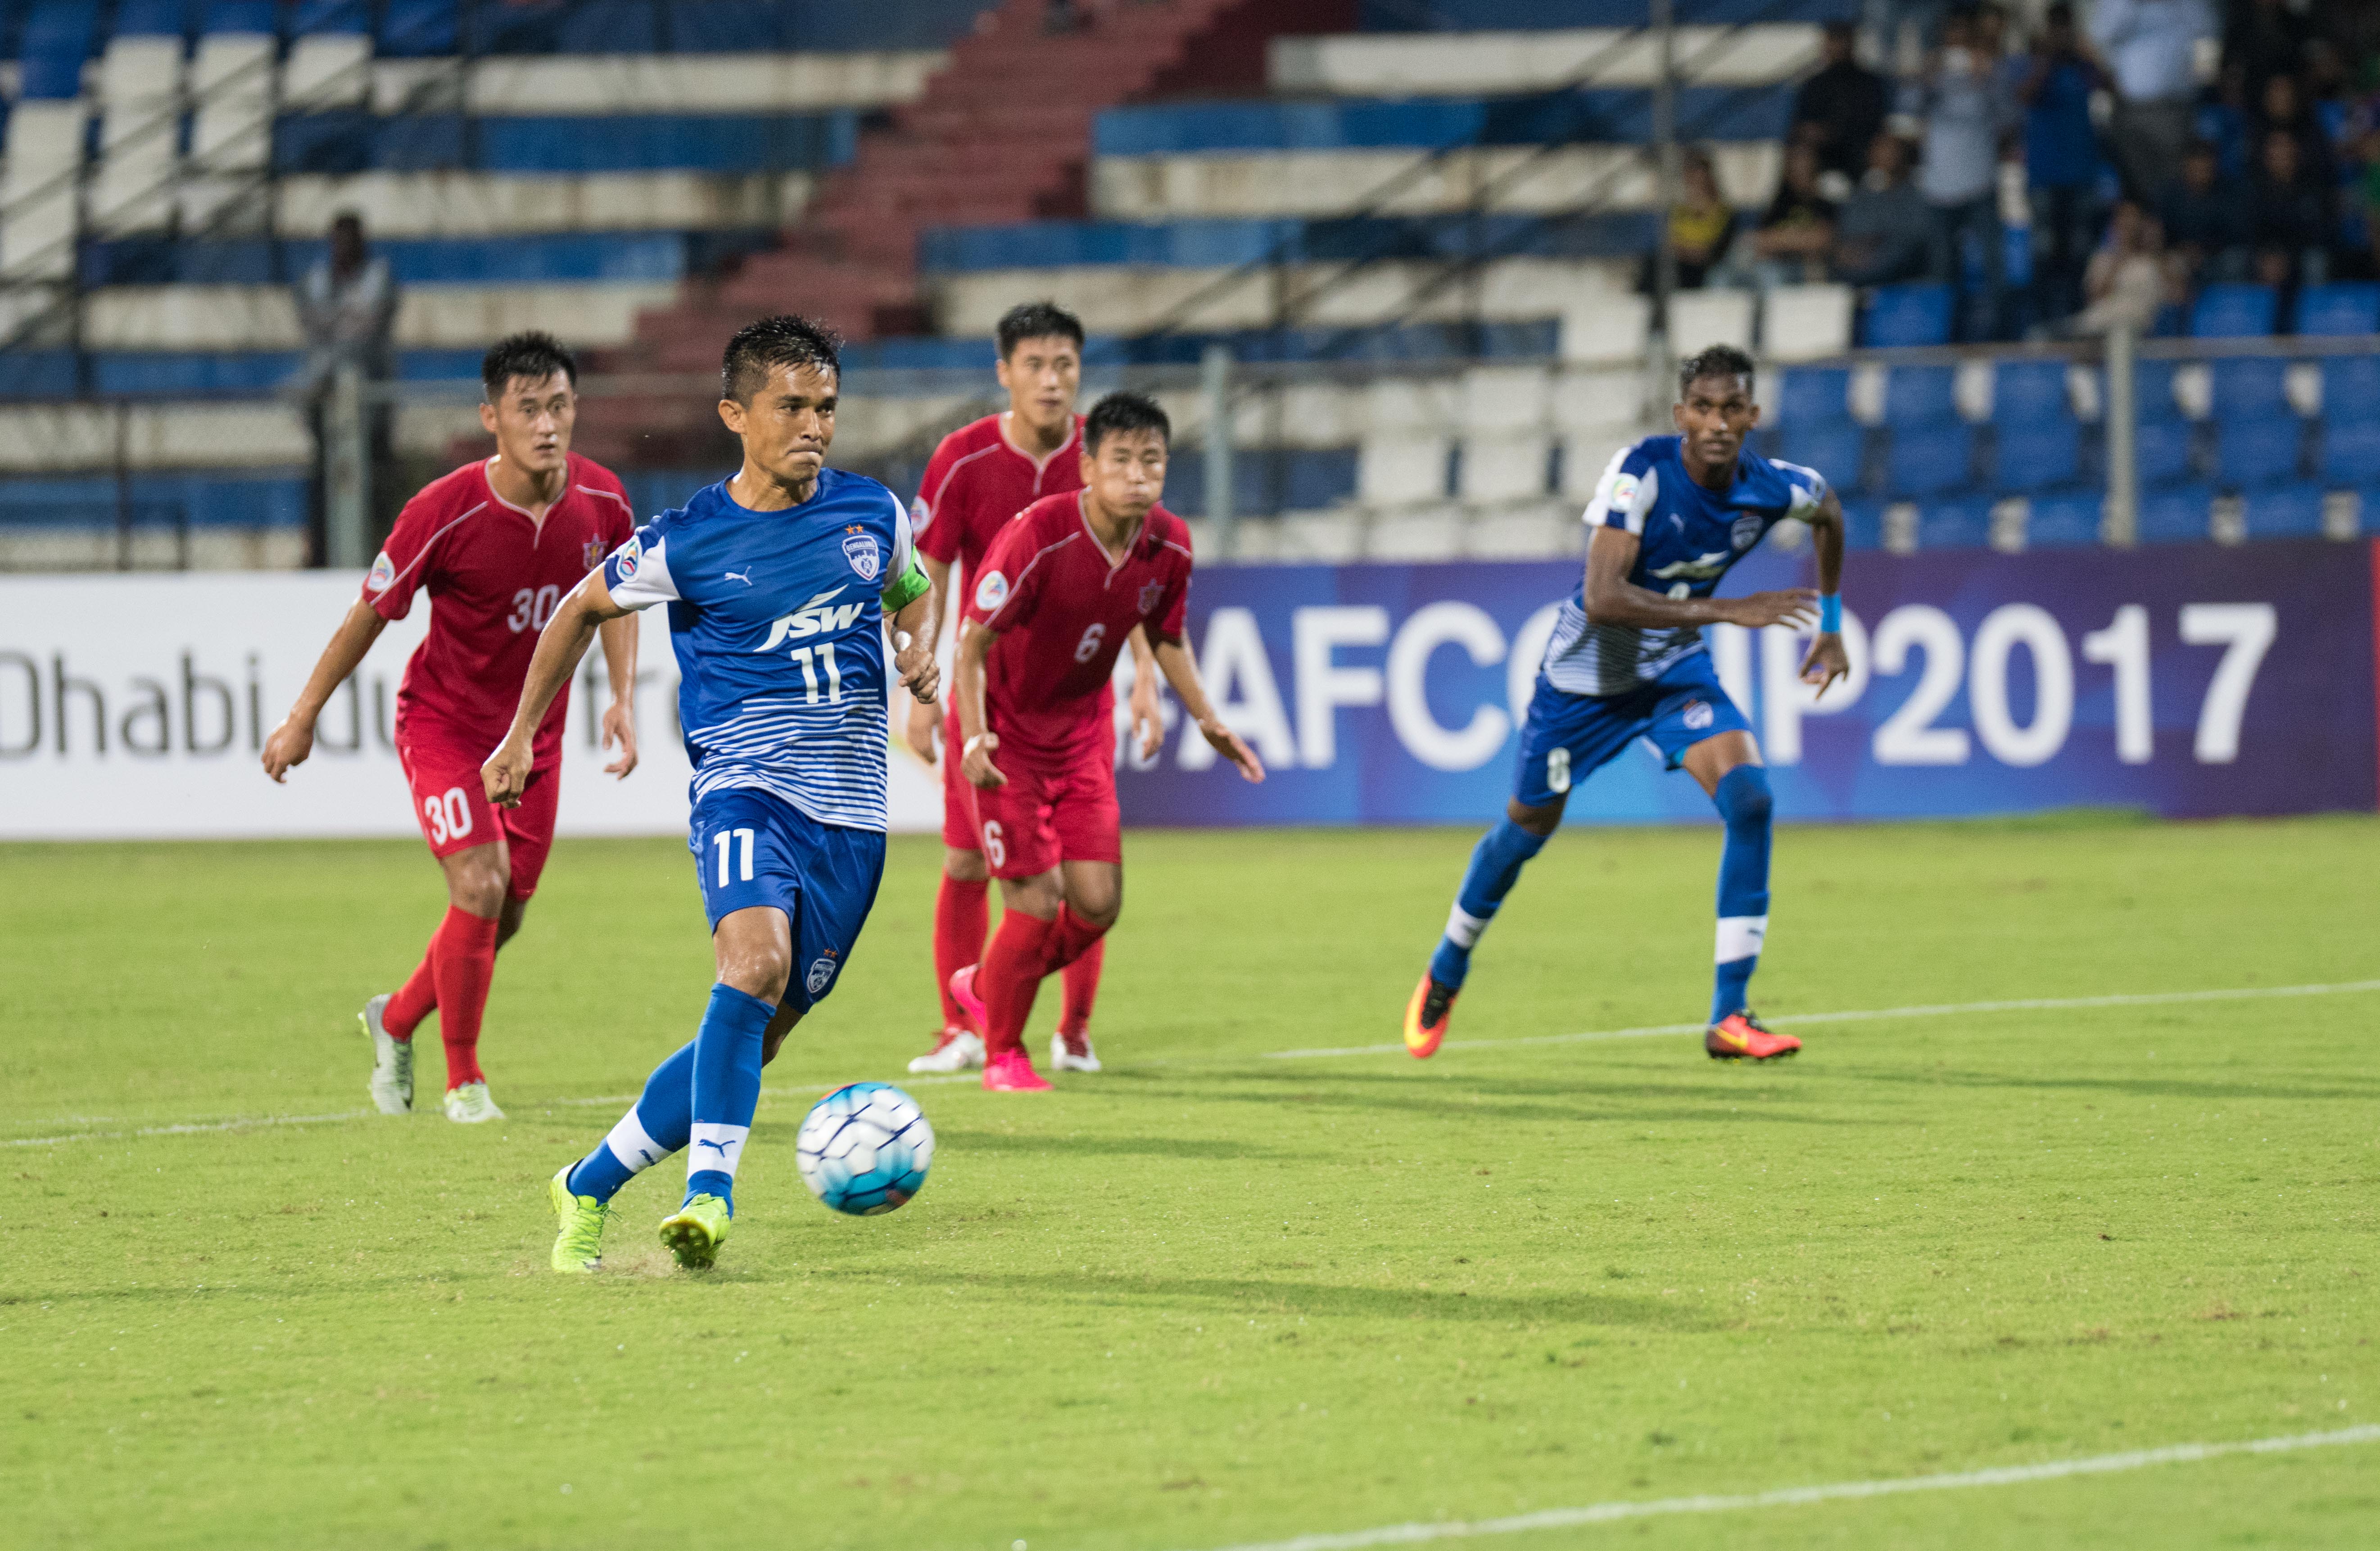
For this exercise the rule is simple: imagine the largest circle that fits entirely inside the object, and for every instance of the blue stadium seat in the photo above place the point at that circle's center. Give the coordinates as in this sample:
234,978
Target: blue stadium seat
1811,396
1906,315
2162,452
2153,391
2062,521
1837,449
2367,517
2350,450
1863,525
2234,312
2036,456
311,18
2176,516
1955,524
242,17
2285,512
2346,309
1920,396
420,27
2350,384
1929,460
2258,453
2254,386
56,39
152,18
2027,392
1268,479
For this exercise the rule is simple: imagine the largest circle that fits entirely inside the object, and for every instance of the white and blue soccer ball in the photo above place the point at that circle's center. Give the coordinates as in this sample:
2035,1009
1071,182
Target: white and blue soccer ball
865,1148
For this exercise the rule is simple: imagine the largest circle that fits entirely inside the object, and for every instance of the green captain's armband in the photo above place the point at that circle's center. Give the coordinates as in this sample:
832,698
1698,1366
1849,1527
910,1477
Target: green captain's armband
907,587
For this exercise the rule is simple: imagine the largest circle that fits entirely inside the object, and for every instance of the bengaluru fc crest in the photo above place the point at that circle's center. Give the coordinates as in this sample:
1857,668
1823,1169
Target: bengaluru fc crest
861,549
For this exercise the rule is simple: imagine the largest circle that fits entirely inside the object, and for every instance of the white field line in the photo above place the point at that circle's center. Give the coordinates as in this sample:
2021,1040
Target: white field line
1949,1010
1793,1496
2157,998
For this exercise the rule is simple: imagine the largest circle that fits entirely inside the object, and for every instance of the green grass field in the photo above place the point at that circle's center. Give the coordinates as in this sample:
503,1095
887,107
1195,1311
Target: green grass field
1211,1297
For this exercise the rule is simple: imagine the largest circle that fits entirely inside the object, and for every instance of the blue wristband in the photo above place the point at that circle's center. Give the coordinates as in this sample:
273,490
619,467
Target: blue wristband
1830,613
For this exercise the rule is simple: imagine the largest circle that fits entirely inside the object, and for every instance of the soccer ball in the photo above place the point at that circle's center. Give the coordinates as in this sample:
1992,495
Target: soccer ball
865,1148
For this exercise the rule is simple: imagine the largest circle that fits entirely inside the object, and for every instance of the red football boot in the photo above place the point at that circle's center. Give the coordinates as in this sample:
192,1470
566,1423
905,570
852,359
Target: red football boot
1427,1017
1739,1037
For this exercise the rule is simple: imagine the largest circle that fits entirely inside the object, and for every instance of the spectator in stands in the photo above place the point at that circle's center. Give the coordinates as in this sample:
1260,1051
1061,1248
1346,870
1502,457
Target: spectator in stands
2128,280
2282,105
1886,232
2289,214
2221,119
1796,235
1702,223
1958,171
2206,219
2061,161
347,311
2150,47
1839,109
2268,39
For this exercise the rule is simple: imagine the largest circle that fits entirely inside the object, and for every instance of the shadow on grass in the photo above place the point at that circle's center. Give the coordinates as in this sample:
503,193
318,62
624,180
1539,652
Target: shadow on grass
2347,1088
1248,1295
1457,1096
1200,1147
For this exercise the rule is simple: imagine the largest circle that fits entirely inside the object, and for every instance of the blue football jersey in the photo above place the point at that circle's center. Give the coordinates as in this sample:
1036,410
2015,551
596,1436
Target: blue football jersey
777,623
1690,534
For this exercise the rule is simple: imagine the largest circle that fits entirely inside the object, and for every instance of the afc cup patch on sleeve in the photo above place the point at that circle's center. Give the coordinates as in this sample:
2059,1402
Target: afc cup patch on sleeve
383,574
624,564
1624,492
919,515
991,592
861,551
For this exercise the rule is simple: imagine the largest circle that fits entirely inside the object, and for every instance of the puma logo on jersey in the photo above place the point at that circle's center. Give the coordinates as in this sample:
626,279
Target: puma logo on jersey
1711,564
744,576
814,618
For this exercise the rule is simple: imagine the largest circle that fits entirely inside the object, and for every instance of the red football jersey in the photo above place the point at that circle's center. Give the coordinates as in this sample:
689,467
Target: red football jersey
494,577
1063,609
976,482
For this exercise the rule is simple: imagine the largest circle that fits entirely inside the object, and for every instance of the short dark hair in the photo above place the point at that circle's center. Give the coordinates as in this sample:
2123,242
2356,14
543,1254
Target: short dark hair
1716,360
762,346
533,353
1122,415
1036,320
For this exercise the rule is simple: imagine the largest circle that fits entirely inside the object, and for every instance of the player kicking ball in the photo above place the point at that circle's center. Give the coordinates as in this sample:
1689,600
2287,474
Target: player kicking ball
495,545
779,582
979,479
1061,588
1627,661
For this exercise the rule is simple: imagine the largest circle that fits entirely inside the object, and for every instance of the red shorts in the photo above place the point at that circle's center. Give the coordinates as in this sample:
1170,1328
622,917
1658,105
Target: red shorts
958,802
451,804
1045,817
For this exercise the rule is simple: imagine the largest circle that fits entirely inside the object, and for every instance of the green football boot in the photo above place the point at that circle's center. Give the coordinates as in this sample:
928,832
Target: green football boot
695,1234
578,1248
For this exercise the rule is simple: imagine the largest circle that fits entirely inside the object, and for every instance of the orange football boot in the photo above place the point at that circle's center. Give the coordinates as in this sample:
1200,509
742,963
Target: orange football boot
1427,1016
1739,1037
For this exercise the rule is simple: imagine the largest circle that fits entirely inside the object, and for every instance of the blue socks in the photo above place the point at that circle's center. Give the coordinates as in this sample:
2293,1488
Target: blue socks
1496,863
646,1134
1743,801
727,1090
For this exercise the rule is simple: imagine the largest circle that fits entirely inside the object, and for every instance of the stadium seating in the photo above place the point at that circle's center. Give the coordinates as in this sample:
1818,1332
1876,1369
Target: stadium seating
2063,521
2289,511
2179,515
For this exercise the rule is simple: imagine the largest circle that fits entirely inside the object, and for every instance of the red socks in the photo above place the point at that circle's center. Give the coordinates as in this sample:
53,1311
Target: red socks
417,999
1082,984
960,920
1022,953
462,960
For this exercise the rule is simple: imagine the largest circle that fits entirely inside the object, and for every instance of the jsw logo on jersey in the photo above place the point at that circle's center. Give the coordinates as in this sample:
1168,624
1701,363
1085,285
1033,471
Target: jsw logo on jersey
813,618
1712,565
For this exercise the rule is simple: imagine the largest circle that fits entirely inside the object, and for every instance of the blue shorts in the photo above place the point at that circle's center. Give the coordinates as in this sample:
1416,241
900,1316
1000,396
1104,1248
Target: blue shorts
1568,738
754,848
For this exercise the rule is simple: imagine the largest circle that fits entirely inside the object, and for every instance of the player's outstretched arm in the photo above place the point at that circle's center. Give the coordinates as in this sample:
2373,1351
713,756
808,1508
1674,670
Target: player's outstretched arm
620,716
916,626
1181,670
1613,598
292,741
1827,661
925,714
559,646
978,738
1147,712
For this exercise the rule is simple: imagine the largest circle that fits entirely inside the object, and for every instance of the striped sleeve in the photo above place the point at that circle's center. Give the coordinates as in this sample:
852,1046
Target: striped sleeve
1626,492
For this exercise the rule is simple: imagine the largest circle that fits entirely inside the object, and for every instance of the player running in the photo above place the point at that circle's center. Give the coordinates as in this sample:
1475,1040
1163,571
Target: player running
495,544
779,580
1627,661
1063,587
980,477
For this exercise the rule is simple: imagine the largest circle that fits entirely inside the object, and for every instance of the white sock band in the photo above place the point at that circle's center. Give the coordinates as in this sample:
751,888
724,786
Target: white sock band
1740,936
636,1151
1463,929
715,1146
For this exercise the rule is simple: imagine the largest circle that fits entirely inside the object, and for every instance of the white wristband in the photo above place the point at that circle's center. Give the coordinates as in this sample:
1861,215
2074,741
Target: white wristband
973,744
